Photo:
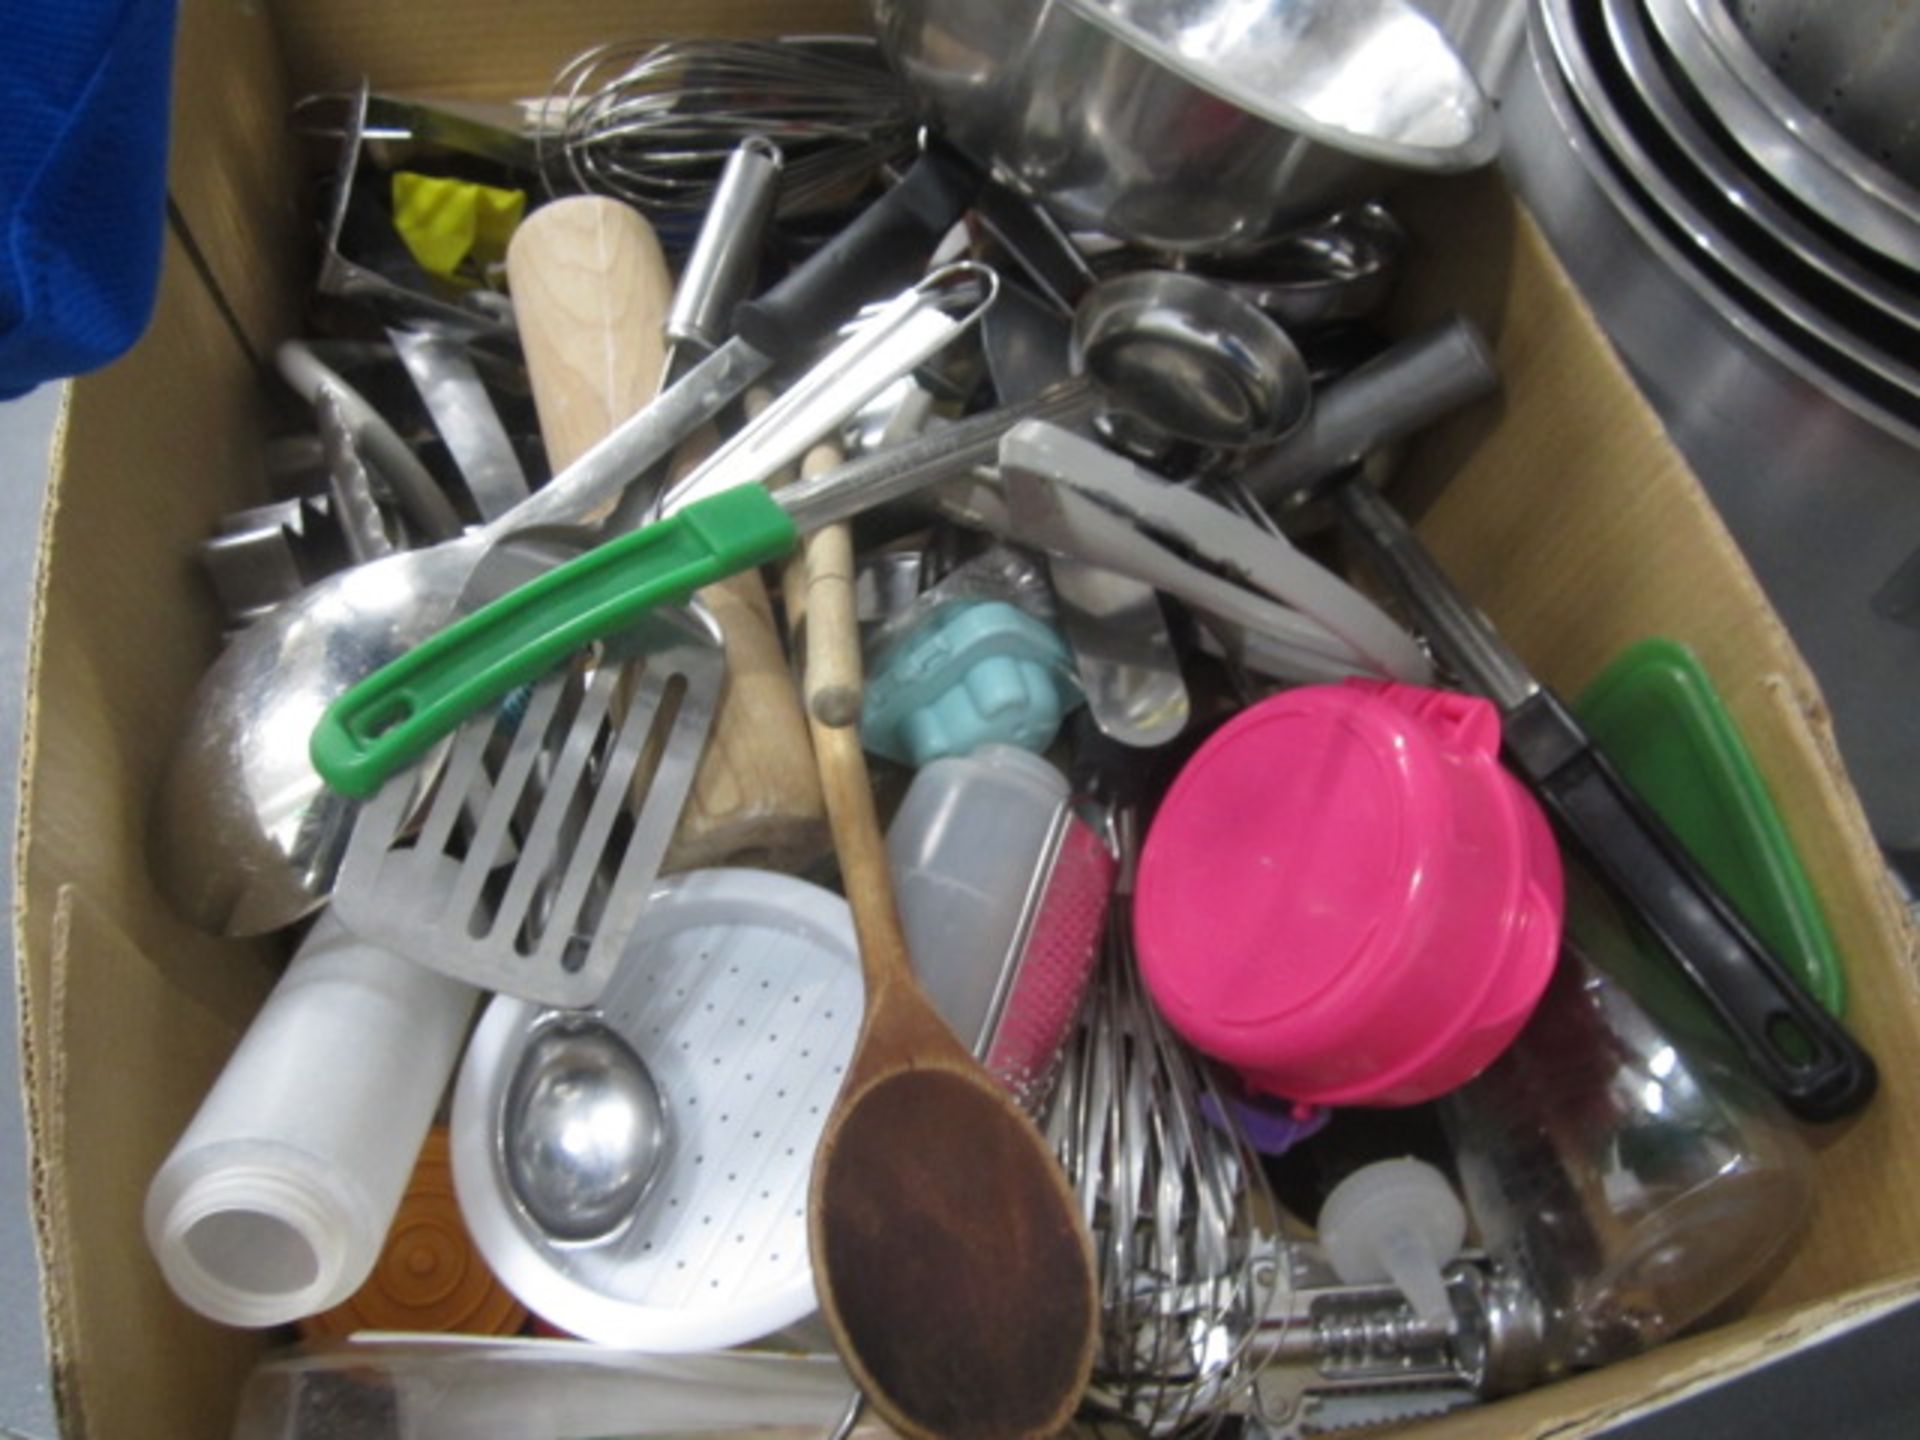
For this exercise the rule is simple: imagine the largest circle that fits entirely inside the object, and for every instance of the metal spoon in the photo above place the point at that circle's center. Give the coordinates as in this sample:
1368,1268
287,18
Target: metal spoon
583,1131
246,839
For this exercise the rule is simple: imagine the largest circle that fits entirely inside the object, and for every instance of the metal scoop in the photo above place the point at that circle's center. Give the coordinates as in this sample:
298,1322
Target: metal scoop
582,1130
1187,360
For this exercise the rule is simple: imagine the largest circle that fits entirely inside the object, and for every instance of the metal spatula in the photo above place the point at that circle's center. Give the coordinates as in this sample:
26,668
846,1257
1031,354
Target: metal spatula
525,872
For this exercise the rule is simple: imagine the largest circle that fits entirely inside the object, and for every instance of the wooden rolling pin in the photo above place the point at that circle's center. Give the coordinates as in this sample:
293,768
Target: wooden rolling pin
590,293
756,798
591,290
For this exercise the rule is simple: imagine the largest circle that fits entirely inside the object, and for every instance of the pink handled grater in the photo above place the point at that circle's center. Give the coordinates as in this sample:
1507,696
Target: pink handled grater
1047,970
1003,896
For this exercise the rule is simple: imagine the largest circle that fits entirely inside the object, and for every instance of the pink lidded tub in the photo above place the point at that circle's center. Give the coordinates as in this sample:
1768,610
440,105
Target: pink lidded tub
1345,896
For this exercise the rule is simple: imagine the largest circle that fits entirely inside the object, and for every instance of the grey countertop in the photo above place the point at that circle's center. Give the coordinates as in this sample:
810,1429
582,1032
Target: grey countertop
1861,1384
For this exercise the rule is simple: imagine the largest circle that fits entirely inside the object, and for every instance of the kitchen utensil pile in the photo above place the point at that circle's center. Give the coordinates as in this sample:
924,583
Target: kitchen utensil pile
525,716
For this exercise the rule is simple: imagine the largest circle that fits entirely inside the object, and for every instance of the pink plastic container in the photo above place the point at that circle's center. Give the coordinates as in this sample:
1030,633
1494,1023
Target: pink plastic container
1346,898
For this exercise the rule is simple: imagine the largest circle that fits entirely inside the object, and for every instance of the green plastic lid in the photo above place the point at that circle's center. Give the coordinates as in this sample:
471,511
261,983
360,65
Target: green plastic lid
1655,712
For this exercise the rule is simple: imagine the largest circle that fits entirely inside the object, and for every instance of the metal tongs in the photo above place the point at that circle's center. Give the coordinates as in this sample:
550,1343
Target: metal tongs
1798,1050
1072,496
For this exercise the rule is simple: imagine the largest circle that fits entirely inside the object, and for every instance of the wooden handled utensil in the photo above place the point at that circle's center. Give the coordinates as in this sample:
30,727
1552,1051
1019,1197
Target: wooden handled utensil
951,1261
591,290
756,799
825,571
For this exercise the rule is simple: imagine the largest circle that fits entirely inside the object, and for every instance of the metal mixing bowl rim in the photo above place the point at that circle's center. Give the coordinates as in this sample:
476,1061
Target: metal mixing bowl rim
1584,149
1479,148
1639,54
1780,296
1767,118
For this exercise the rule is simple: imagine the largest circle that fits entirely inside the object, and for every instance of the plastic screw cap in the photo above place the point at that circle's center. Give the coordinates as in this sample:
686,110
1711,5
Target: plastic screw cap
1396,1220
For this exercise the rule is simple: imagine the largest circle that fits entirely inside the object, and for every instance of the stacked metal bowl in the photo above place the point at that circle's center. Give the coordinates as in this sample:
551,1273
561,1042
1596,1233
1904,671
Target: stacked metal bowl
1735,185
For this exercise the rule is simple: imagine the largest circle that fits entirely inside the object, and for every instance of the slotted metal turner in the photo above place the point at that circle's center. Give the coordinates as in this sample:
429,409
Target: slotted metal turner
526,871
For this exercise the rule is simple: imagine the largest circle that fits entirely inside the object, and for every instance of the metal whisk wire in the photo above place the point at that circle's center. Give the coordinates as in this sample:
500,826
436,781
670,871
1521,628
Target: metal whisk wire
1173,1195
653,122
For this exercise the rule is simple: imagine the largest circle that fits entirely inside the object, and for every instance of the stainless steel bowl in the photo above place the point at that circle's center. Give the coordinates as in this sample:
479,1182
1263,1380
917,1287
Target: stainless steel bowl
1192,125
1786,136
1765,279
1816,484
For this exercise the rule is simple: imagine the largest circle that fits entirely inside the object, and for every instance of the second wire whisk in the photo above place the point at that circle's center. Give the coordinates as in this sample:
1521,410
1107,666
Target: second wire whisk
653,122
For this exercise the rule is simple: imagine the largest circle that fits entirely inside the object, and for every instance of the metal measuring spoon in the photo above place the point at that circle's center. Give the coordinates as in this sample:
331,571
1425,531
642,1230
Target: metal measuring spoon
1340,269
1184,359
1181,364
583,1132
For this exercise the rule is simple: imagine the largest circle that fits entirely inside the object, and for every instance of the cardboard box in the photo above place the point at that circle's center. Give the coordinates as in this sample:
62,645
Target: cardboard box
1563,510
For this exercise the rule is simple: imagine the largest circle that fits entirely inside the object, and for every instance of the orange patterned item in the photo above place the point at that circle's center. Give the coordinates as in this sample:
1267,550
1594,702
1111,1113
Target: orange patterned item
429,1276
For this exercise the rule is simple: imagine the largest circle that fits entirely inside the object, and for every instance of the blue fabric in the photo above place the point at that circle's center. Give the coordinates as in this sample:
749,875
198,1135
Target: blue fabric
84,86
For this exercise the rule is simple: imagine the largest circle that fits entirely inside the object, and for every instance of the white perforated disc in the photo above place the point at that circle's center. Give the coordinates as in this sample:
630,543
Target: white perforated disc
741,992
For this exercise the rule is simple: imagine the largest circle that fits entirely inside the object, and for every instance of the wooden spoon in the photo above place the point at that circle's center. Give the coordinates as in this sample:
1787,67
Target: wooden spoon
951,1261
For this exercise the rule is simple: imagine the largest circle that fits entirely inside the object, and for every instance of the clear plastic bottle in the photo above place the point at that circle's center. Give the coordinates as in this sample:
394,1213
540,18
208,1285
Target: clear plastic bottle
275,1202
968,846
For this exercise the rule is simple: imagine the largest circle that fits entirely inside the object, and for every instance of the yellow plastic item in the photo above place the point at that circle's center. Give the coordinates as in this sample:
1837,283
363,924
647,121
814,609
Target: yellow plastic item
455,228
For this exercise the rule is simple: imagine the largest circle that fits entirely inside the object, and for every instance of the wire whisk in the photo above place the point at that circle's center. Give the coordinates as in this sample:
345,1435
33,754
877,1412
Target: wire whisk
652,122
1172,1193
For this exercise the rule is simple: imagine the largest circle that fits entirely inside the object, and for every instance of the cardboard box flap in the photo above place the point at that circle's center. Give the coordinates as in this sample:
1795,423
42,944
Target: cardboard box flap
502,49
126,1010
245,217
1569,517
138,1050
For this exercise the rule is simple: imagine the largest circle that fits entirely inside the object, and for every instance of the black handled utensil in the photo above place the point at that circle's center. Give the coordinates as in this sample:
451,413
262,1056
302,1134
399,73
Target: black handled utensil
884,247
1798,1050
